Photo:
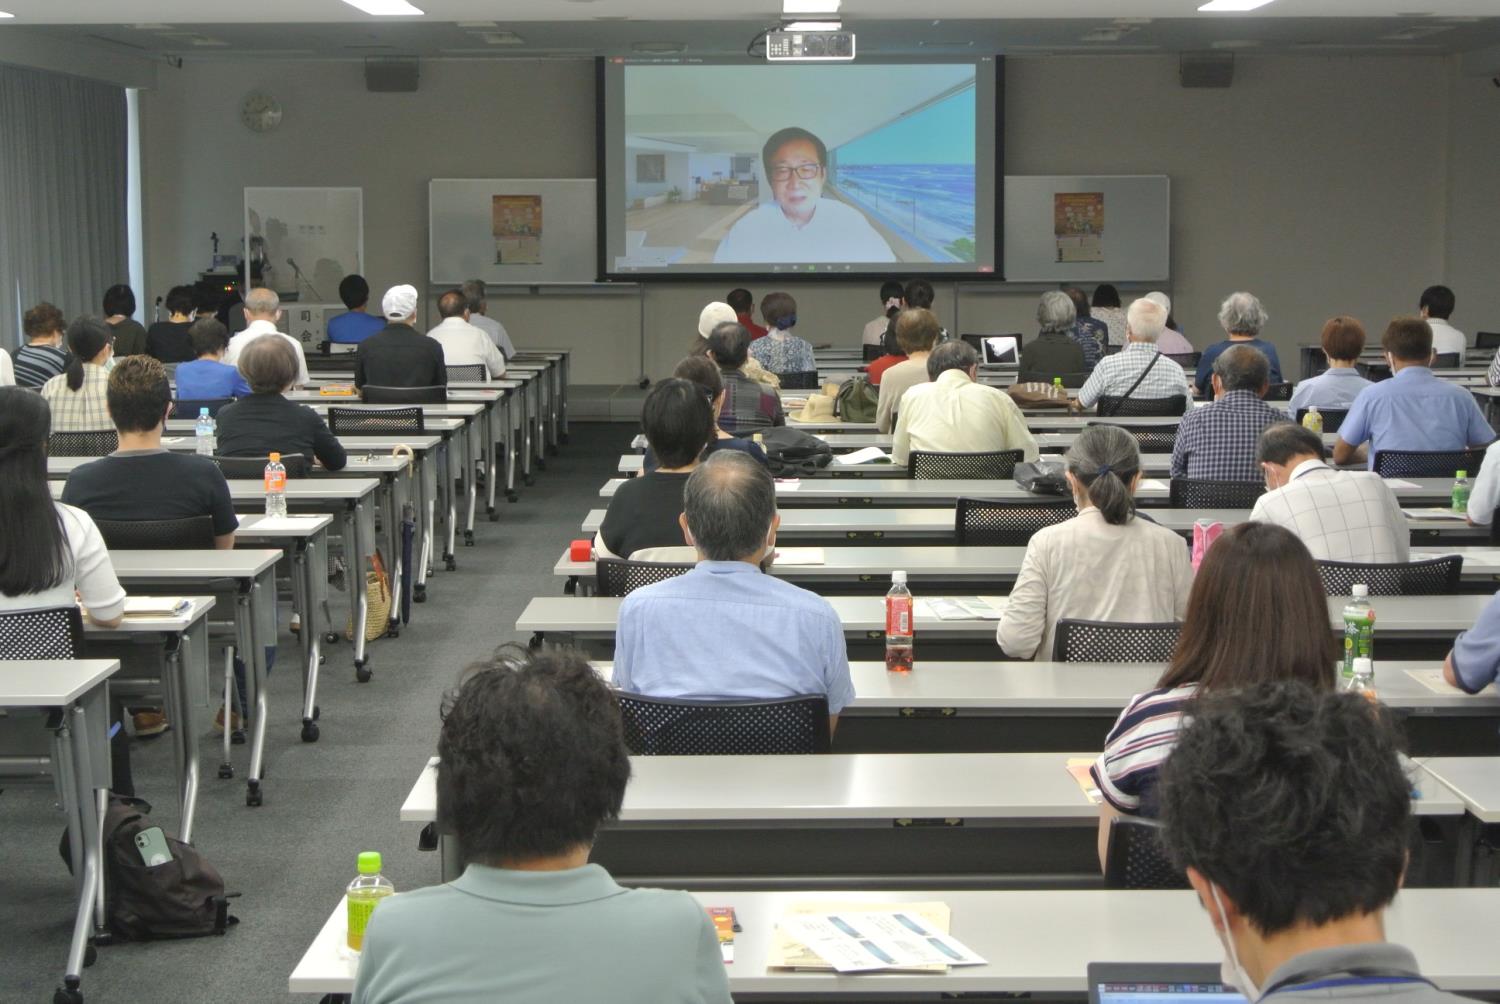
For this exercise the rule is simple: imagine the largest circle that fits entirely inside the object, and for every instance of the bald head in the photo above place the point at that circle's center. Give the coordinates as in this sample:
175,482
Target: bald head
261,304
453,304
729,506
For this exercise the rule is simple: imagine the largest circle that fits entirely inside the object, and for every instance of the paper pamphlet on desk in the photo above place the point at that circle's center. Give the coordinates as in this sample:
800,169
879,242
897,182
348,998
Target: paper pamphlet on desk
1400,483
865,941
172,440
800,556
959,608
268,523
1152,485
864,456
1433,680
1079,767
155,606
1435,512
786,952
788,484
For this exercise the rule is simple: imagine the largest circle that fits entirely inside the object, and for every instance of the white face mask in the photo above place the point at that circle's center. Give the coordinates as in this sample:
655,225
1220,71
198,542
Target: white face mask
1230,970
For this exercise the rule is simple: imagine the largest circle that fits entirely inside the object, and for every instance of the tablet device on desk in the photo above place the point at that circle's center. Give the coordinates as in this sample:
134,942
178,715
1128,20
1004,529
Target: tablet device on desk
999,349
1159,983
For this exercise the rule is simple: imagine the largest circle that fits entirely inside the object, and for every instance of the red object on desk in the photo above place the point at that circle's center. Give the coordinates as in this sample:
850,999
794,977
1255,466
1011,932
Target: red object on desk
581,550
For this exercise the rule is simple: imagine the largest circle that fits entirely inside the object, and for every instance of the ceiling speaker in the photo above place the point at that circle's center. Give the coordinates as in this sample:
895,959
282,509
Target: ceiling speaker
391,73
1206,69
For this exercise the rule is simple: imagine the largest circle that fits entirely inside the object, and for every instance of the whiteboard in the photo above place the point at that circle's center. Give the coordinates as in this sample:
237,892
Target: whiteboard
320,229
1134,240
463,217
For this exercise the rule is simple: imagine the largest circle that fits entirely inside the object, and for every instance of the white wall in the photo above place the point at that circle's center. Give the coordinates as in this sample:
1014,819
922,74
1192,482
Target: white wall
1325,185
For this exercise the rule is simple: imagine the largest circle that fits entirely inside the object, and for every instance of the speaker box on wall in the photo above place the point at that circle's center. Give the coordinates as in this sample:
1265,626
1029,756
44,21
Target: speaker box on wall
1206,69
388,73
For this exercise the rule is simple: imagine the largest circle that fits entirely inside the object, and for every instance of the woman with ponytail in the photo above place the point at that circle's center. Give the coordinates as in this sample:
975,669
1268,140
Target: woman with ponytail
1106,563
76,395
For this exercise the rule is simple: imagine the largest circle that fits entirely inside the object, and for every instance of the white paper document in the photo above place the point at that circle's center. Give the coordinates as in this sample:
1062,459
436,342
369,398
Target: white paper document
1152,484
787,485
267,524
864,456
1433,680
799,556
961,608
861,942
1399,483
155,606
1435,513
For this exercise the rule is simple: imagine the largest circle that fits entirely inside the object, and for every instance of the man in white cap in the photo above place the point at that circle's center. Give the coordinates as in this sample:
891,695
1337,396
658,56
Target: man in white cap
717,313
263,310
399,355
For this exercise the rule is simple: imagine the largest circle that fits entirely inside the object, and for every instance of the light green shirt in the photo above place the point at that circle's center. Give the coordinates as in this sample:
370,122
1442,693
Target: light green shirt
542,937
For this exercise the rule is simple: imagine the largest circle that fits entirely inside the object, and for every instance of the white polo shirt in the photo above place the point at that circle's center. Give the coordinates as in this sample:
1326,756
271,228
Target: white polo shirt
836,233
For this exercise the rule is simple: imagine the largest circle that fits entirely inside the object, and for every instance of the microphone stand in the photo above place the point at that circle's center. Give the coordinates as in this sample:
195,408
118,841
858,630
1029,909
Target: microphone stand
299,277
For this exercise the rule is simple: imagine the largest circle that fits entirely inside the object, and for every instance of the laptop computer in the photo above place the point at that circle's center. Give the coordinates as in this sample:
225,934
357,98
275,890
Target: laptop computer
1159,983
1000,349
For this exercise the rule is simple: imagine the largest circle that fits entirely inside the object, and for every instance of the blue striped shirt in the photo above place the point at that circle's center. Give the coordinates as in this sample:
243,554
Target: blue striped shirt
1142,739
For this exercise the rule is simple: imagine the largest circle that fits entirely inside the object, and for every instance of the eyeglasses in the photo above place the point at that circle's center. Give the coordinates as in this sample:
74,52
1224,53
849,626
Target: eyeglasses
807,172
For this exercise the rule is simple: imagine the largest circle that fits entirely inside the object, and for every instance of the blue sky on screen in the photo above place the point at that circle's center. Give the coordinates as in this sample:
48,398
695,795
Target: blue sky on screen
940,134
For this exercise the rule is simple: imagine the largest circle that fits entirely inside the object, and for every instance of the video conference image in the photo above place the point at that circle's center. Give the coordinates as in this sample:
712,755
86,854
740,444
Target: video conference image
843,168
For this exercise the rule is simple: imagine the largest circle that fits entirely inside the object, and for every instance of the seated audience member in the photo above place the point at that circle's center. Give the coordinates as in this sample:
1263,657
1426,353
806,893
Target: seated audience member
208,376
42,357
399,355
744,311
702,371
1106,307
954,414
715,314
1217,441
358,324
917,332
892,354
786,641
119,305
51,554
1414,410
479,316
7,370
891,293
1339,515
464,344
1290,809
266,422
1171,341
168,341
76,395
1055,352
1105,564
1242,318
1436,307
1139,370
532,762
1085,325
1484,497
749,406
918,294
782,352
1473,662
679,425
262,311
1336,387
1257,611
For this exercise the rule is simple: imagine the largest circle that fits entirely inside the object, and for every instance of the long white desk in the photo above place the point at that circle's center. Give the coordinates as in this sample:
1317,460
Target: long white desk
1475,779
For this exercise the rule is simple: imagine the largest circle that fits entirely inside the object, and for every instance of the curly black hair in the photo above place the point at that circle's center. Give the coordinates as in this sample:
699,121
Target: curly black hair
1292,800
533,758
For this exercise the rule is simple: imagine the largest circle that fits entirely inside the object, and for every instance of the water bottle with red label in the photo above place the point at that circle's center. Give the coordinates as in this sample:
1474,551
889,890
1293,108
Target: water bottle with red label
900,625
275,483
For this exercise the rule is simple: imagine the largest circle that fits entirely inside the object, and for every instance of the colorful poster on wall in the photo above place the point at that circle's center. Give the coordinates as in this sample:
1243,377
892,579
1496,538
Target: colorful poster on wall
1078,224
517,224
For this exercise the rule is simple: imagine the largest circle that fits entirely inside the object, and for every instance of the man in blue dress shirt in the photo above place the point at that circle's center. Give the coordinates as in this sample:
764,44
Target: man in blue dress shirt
357,325
726,630
1413,410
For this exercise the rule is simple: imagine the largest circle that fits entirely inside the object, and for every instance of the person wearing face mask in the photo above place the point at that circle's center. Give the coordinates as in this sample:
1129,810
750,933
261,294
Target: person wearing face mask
168,341
1295,883
77,394
782,640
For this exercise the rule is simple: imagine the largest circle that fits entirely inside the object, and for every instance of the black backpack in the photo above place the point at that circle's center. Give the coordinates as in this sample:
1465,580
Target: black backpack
793,452
183,898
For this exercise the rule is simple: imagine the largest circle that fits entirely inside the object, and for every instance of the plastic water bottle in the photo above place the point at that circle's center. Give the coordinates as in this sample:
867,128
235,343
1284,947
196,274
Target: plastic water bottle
205,434
899,625
1460,494
364,895
1359,629
1362,679
275,483
1313,420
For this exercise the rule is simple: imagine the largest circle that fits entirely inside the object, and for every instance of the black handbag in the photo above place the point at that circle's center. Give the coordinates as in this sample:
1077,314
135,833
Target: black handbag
1042,477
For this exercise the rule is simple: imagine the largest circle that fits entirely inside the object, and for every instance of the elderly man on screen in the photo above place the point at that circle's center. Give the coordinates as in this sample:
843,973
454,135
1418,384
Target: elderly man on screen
726,630
1138,371
263,310
954,414
800,225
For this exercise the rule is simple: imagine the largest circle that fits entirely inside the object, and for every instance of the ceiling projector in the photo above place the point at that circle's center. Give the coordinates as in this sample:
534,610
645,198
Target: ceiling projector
796,46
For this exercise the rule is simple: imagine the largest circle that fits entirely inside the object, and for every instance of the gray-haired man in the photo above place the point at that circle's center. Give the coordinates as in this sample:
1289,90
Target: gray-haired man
263,311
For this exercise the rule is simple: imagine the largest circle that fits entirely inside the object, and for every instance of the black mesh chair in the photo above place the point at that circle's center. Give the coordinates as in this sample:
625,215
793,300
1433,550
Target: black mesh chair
1136,859
365,422
189,408
54,633
1148,438
953,466
800,380
996,523
663,726
371,394
1112,406
1427,463
872,353
254,468
1487,339
473,374
1332,417
1434,577
1445,361
1113,641
192,533
1187,360
1374,372
1279,392
1199,493
83,444
618,577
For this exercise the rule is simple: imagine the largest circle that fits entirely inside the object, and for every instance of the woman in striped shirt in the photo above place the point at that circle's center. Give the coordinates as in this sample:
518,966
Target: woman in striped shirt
1257,611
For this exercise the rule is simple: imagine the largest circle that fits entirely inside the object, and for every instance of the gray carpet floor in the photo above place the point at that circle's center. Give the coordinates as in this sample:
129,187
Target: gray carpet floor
324,802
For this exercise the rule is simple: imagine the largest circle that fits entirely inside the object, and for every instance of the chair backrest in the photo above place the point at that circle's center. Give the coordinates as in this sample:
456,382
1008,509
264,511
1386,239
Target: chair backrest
1434,577
872,353
83,444
1374,372
1112,350
618,577
1187,360
1148,438
1110,404
54,633
1445,360
1332,417
952,466
1136,859
1487,339
189,408
190,533
253,468
999,523
1279,392
1200,493
470,373
1113,641
364,421
663,726
1427,463
800,380
371,394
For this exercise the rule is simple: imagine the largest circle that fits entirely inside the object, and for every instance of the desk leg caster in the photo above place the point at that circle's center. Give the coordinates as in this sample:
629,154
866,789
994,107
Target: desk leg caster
226,771
309,730
419,593
253,795
68,993
512,496
540,462
237,737
528,480
450,562
468,538
393,631
362,671
492,513
331,637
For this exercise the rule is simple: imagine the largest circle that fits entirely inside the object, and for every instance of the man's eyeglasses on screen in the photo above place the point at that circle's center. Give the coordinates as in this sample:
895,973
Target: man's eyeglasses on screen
806,172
